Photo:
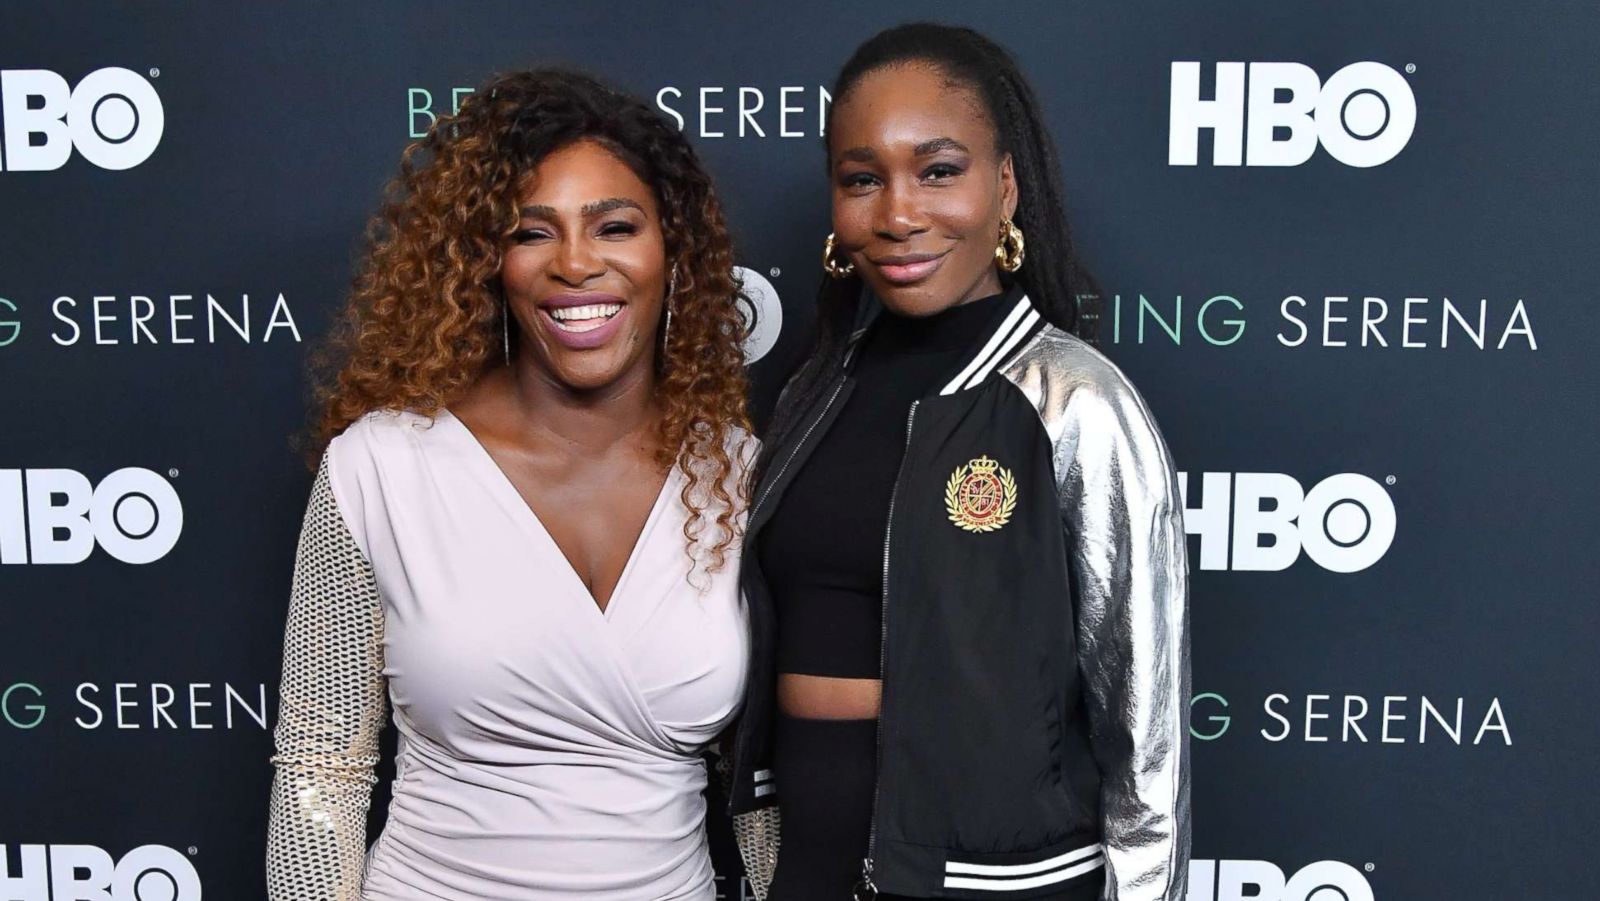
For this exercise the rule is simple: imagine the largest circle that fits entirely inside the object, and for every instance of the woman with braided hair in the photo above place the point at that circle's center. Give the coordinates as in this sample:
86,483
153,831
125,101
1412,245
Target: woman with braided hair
965,559
523,534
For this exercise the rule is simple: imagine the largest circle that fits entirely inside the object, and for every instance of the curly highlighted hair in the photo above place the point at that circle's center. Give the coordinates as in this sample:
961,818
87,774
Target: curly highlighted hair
424,316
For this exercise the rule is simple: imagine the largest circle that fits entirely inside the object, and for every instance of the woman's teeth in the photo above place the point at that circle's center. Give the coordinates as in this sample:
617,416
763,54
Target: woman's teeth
584,318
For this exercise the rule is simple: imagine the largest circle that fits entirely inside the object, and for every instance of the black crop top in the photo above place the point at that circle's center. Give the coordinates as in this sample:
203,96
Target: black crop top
822,551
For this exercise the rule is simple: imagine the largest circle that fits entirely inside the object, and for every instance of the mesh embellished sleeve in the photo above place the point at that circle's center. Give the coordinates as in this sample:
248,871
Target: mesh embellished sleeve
755,832
332,707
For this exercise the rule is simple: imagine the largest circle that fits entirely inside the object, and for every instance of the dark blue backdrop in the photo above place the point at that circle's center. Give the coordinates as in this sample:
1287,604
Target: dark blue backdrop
135,697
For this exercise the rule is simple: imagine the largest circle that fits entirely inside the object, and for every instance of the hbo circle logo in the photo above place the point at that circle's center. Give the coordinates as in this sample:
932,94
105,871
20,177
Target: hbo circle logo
87,873
133,514
113,117
1365,115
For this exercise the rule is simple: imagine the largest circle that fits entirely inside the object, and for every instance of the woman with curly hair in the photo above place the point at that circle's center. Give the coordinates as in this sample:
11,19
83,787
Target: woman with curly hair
524,529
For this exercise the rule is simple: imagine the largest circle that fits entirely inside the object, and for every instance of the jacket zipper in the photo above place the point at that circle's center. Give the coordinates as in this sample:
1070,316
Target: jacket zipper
797,448
866,890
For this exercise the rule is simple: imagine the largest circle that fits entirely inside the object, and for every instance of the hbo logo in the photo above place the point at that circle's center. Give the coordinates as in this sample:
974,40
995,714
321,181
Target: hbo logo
86,873
134,514
1258,880
763,314
114,118
1344,523
1363,116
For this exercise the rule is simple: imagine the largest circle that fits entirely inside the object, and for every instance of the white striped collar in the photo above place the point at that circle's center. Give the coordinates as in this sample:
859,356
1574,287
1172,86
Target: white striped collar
1019,322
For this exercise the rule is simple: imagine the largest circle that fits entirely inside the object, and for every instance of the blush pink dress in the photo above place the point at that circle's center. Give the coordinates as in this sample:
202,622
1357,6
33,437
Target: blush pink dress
548,749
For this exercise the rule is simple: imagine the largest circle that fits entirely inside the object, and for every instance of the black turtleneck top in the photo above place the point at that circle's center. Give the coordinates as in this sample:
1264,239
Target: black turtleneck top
822,552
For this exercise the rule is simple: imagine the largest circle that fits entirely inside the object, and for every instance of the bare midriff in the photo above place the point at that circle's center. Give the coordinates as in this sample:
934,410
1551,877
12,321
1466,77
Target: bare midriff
828,697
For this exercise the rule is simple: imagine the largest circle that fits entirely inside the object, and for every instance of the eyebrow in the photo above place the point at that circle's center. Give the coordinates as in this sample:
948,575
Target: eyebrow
592,208
926,148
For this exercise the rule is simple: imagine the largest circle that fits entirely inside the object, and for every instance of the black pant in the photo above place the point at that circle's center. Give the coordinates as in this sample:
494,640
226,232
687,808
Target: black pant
826,770
825,773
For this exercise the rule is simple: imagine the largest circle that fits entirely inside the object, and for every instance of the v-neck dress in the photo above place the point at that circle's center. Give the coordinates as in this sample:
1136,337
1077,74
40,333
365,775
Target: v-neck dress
547,749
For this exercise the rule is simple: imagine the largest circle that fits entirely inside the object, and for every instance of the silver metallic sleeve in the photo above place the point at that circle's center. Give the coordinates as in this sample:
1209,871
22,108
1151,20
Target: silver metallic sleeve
332,707
1122,514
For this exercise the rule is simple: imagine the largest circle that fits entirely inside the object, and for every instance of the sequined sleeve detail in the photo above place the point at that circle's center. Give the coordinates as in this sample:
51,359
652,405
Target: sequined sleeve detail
1123,519
757,834
332,707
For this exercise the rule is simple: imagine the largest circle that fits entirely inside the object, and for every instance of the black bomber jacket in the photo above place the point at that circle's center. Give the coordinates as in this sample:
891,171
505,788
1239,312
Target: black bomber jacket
1035,635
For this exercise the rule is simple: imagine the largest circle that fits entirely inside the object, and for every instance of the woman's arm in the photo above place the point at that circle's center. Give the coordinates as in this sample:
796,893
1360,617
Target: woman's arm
331,709
1124,523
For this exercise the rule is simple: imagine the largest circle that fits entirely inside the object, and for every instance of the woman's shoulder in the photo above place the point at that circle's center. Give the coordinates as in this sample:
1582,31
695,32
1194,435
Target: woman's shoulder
1073,385
1065,367
743,447
1061,354
377,441
380,430
739,447
387,424
706,477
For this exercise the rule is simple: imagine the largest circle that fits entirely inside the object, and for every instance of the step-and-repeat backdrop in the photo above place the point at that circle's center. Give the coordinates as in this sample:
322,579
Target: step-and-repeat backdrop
1348,253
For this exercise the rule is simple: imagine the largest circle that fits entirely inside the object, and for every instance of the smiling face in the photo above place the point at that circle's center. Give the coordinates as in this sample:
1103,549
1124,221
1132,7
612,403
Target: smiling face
919,188
585,273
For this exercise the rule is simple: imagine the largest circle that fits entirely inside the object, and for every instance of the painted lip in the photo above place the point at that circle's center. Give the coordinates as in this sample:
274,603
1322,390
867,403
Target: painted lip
909,268
591,339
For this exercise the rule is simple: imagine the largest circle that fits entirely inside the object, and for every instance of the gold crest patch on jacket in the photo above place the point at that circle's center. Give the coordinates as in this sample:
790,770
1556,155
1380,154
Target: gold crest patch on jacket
981,495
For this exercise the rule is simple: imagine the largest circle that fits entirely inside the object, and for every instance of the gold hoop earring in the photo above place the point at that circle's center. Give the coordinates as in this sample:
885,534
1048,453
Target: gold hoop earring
832,266
1009,254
